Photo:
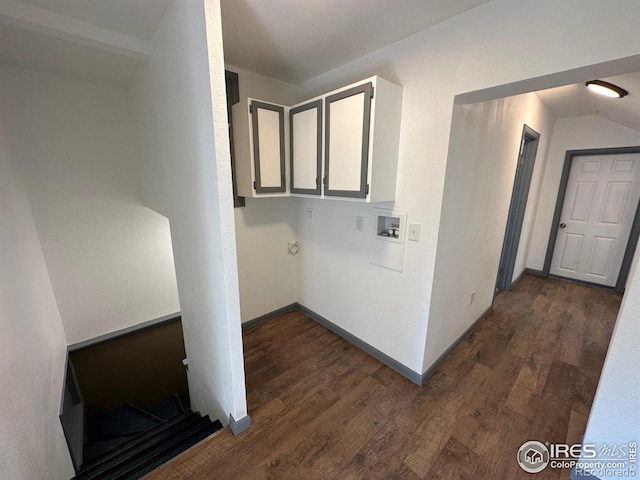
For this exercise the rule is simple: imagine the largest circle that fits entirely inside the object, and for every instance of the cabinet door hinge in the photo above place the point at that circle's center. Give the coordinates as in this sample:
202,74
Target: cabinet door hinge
254,186
251,108
325,181
372,89
284,180
366,190
318,182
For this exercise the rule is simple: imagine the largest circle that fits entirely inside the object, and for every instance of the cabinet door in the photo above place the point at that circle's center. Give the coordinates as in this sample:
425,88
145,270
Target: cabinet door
348,116
306,147
268,147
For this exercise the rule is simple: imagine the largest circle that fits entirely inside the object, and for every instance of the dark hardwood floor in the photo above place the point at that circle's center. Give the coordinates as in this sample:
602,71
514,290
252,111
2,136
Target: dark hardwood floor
323,409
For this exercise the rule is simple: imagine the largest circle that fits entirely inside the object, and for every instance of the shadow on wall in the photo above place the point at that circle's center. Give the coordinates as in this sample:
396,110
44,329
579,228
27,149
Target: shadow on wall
140,368
267,212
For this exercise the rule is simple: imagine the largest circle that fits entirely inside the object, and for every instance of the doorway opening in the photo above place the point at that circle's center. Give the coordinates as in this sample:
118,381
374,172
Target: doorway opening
596,223
518,206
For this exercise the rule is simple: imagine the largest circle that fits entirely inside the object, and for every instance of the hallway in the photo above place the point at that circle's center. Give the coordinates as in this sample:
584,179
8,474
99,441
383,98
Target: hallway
323,409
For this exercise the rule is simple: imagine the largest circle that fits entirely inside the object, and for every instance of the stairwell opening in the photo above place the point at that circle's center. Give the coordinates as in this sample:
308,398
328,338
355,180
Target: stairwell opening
126,407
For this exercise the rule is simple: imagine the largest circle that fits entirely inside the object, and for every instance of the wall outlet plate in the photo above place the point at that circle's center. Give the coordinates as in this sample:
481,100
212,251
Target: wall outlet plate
414,232
359,224
308,213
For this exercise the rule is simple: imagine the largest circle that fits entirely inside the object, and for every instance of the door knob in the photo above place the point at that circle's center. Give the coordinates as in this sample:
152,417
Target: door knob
562,225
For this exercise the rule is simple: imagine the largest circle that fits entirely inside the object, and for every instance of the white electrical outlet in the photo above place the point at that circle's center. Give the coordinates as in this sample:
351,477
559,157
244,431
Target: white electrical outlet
472,297
414,232
359,224
309,213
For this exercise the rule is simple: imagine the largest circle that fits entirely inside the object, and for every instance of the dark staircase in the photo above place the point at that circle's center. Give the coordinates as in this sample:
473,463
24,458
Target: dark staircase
128,442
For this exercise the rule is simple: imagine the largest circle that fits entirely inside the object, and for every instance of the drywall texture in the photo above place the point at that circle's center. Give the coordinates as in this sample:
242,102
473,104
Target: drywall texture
483,157
337,281
109,257
576,133
562,39
32,342
615,414
264,227
266,271
180,110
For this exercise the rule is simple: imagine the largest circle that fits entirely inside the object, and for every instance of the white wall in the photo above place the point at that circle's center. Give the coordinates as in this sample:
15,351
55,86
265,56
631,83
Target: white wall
561,41
574,133
180,110
615,413
109,257
266,271
32,342
483,156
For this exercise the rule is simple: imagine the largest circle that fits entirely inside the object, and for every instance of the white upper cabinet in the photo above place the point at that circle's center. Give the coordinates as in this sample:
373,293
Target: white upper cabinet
260,139
305,128
348,122
362,133
341,145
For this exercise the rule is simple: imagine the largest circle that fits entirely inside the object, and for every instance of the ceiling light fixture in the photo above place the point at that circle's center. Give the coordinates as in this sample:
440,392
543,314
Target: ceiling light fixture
606,88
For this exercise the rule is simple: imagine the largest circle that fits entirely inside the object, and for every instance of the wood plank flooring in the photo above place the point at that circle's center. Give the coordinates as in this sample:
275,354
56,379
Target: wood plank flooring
323,409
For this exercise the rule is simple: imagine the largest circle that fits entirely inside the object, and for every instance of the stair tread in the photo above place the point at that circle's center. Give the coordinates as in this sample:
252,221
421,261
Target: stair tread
96,449
175,443
196,438
124,420
166,408
139,442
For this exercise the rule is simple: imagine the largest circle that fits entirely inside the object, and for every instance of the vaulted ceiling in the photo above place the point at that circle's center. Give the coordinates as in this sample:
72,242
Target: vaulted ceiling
136,18
294,40
576,100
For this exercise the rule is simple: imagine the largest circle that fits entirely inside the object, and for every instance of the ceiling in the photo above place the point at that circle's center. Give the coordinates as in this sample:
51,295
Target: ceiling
137,18
35,51
294,40
95,40
576,100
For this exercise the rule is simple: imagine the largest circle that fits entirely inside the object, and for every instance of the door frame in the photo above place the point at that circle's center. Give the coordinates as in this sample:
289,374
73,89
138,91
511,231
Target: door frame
517,207
634,235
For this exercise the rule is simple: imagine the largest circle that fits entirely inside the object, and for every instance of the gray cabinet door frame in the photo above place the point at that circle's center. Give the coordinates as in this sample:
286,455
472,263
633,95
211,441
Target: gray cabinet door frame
366,89
317,104
255,106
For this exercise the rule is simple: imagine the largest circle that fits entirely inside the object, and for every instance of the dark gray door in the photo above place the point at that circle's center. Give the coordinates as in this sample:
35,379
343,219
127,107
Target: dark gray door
522,182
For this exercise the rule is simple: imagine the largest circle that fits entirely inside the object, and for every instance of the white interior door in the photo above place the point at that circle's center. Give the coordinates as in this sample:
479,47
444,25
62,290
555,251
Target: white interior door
600,202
